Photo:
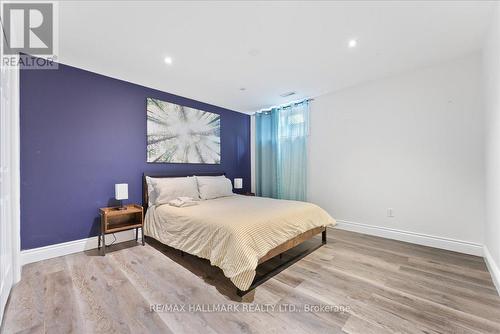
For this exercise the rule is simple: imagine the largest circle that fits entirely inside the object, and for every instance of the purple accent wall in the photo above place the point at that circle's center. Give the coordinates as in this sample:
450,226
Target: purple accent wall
81,133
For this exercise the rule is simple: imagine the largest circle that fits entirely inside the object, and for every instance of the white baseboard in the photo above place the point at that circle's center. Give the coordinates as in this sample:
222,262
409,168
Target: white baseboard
412,237
493,268
70,247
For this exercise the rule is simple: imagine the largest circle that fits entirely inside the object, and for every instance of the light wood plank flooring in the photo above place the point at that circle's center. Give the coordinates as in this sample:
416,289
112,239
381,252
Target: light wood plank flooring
390,287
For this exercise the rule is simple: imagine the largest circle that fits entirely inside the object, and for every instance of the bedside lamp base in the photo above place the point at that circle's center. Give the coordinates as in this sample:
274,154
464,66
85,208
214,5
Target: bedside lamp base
121,207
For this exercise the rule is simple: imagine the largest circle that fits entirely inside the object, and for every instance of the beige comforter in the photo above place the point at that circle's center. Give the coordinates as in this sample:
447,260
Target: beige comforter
233,232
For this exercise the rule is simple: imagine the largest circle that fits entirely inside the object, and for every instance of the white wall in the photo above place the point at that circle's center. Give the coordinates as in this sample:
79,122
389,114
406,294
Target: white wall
491,75
412,142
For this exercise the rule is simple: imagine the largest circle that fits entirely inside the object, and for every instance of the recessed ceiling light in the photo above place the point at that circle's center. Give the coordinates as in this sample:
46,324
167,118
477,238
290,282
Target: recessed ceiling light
353,43
243,89
168,60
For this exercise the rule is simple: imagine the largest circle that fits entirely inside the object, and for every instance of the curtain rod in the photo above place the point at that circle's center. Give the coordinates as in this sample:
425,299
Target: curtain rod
286,105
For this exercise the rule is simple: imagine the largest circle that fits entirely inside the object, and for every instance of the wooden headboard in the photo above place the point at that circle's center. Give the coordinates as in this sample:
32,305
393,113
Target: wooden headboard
145,199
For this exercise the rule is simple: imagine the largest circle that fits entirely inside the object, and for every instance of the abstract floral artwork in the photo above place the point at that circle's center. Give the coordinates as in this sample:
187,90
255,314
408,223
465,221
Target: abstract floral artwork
178,134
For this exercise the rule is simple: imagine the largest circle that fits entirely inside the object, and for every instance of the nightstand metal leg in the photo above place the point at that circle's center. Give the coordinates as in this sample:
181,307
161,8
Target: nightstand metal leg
142,229
136,233
104,244
99,241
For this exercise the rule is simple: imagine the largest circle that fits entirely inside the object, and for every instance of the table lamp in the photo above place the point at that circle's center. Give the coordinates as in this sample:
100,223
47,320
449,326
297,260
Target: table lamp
121,193
238,183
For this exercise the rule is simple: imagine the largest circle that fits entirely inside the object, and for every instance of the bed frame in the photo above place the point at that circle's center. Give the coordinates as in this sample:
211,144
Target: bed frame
279,250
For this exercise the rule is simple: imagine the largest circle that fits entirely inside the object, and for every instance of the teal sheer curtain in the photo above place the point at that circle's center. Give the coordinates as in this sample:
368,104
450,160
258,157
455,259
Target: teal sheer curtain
281,152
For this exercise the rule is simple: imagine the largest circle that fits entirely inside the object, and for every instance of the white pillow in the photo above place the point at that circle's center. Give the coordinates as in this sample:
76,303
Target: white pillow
163,190
151,192
211,187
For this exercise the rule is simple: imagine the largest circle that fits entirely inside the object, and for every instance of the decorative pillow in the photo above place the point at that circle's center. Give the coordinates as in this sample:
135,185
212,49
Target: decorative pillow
211,187
163,190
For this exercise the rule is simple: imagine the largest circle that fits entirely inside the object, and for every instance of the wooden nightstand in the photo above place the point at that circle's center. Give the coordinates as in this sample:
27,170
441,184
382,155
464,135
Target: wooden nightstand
114,220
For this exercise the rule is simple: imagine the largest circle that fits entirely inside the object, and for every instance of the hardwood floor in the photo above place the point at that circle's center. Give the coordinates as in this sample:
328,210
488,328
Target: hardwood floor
389,287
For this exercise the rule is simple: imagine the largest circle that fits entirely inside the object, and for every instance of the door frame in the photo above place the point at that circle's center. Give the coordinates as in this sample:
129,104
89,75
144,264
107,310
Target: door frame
11,147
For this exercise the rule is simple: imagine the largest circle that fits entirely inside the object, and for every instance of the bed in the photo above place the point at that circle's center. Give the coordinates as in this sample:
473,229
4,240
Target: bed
237,233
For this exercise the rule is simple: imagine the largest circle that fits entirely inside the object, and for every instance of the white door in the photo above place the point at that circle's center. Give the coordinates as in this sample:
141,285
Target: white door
9,230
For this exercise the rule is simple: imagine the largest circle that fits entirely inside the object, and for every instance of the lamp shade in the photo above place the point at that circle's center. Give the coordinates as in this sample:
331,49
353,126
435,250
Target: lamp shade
238,183
121,191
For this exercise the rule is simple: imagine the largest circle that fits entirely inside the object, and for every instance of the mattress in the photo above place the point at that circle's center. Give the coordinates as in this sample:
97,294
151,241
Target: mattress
233,232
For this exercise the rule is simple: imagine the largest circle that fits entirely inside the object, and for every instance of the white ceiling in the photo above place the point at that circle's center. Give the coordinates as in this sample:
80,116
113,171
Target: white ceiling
269,48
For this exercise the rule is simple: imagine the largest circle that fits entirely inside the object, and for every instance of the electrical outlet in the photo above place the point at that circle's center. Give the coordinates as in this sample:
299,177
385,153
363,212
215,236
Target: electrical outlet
390,212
